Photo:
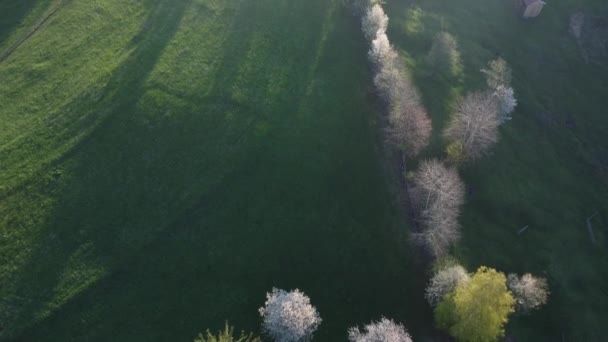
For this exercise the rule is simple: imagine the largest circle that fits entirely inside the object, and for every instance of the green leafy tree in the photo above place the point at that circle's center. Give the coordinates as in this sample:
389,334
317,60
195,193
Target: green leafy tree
477,310
226,336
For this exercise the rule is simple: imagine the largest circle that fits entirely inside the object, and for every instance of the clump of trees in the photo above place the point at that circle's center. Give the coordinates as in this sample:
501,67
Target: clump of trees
289,316
444,56
478,309
437,196
227,336
384,330
530,292
498,78
473,127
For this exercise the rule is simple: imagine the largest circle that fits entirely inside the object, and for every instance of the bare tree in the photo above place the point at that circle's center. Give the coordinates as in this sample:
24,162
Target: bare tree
444,282
530,292
437,195
289,316
374,22
384,330
444,55
474,125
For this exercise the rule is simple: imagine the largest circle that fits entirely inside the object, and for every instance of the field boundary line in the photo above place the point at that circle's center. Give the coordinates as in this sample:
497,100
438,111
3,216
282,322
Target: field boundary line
53,8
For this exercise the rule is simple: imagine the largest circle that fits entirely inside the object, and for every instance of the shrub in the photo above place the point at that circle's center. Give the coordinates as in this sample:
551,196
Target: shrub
384,330
226,336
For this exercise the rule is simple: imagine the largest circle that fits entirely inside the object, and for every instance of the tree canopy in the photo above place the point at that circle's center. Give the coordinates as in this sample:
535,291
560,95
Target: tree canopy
479,309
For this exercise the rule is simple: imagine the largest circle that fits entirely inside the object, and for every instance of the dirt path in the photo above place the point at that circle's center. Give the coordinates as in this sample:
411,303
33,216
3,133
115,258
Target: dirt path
53,8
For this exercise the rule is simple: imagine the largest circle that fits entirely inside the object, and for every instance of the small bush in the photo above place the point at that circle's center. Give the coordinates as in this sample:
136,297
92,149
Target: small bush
226,336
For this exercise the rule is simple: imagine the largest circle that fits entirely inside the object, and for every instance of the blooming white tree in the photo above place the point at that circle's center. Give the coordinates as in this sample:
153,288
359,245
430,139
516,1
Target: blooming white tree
437,196
530,292
381,54
506,102
409,126
444,282
384,330
374,22
289,316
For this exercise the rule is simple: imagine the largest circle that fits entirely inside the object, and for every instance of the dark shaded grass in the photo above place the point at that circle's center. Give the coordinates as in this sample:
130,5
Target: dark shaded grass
545,170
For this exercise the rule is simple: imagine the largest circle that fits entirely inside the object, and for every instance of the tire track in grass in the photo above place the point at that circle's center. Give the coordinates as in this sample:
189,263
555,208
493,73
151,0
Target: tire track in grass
50,12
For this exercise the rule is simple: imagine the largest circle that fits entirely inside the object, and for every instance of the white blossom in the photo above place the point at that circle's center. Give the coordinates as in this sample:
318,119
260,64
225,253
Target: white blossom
530,292
506,102
289,316
384,330
381,53
374,22
445,282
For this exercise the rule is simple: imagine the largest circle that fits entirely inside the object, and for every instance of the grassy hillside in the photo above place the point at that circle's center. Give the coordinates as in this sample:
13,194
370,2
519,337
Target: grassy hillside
549,170
164,163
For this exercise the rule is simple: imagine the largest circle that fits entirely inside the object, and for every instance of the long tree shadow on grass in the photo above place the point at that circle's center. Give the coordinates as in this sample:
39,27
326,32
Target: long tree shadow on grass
284,212
71,232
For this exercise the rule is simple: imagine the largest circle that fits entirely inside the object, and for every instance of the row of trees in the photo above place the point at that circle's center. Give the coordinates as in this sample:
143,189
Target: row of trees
409,127
289,317
437,192
471,307
476,307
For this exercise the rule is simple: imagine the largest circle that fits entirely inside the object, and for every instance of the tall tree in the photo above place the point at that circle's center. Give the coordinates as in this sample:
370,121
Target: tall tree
289,316
437,196
474,125
479,309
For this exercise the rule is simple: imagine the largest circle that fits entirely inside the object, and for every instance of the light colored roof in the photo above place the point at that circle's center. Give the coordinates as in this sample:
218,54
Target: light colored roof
530,2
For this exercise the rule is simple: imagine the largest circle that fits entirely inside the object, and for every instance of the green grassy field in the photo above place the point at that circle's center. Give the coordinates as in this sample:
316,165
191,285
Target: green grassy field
164,163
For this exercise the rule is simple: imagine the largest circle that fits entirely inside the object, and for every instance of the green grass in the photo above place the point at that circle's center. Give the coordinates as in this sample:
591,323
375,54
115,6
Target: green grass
164,163
542,173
